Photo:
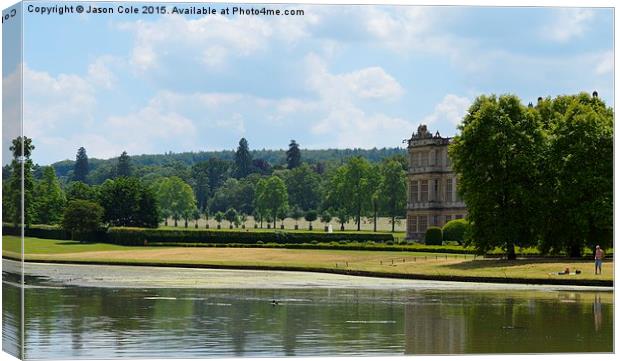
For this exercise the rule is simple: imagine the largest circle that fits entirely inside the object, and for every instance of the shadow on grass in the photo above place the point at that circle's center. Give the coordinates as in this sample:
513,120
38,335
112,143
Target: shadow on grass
502,263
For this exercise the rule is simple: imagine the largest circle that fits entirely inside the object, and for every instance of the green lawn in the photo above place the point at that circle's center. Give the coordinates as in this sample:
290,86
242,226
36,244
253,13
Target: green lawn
51,246
377,262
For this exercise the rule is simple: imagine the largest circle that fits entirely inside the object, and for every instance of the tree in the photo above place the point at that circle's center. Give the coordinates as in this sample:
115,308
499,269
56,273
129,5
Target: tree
326,216
303,185
200,181
80,169
124,168
176,197
196,215
243,159
82,217
455,230
296,214
342,215
293,155
497,158
235,193
206,213
78,190
578,173
21,183
231,216
357,188
271,197
128,202
50,201
392,190
310,217
261,167
219,216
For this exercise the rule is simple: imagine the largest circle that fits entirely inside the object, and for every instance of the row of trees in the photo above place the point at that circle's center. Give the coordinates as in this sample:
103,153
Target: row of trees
355,189
537,175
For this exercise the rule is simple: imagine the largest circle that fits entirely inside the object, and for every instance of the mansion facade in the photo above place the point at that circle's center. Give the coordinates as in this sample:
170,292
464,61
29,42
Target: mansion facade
432,199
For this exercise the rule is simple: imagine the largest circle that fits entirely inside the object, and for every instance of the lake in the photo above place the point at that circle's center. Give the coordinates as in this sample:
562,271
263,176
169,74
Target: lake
77,321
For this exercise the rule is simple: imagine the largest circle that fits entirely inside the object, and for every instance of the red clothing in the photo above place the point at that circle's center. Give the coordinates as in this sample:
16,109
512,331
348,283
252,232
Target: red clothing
598,254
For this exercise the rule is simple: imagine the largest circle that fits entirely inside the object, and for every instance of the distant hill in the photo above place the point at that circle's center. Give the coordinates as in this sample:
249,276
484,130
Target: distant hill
274,157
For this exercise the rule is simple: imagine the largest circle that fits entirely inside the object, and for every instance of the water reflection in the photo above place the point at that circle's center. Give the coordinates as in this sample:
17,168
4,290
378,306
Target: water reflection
104,323
597,308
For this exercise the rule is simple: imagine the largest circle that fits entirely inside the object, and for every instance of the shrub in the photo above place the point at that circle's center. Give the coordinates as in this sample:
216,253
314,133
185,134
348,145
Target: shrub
137,236
455,231
82,218
433,236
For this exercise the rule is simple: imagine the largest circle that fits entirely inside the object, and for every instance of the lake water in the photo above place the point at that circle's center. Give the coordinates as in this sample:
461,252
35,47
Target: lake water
106,322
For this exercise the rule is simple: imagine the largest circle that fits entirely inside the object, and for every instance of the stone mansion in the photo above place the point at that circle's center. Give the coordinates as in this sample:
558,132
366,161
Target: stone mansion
432,199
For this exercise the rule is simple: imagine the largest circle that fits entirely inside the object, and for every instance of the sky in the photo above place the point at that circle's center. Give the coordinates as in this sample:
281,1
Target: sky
336,77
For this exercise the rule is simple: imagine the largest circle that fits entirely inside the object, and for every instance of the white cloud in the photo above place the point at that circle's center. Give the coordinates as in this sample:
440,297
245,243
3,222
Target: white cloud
11,106
568,24
100,74
212,40
52,102
452,109
340,116
368,83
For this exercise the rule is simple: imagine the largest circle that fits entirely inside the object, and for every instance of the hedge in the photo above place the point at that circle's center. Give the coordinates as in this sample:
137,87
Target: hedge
433,236
137,236
38,231
147,236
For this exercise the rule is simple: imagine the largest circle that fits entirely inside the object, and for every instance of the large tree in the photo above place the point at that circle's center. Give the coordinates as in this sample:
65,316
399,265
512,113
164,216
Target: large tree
128,202
123,167
293,155
200,183
80,169
79,190
237,194
392,194
243,159
20,184
175,197
81,217
578,174
357,187
271,197
303,185
497,158
50,199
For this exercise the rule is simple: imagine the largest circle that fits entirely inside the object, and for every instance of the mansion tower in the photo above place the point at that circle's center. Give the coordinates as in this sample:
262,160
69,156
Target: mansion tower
432,199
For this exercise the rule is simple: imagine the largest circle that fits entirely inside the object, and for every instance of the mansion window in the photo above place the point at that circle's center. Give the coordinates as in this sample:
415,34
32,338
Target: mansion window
459,216
422,224
424,191
435,220
412,224
413,191
449,190
448,218
436,190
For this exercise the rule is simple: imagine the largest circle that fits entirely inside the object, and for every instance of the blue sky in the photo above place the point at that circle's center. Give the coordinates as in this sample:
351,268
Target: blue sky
340,76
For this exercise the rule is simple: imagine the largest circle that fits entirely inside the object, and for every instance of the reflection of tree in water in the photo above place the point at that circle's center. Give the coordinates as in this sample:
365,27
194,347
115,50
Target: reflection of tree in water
432,328
500,323
597,309
11,320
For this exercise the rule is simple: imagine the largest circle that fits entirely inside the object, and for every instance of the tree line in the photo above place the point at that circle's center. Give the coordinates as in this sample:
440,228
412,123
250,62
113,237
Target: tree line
537,175
213,189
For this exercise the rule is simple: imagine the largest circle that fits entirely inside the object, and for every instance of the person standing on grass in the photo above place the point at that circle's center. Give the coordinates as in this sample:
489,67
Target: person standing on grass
598,260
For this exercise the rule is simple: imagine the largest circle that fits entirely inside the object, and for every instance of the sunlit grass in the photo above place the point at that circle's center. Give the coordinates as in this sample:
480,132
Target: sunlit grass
408,263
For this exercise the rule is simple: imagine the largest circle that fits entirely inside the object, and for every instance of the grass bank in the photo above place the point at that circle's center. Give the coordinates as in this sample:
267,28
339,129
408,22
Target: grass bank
414,265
